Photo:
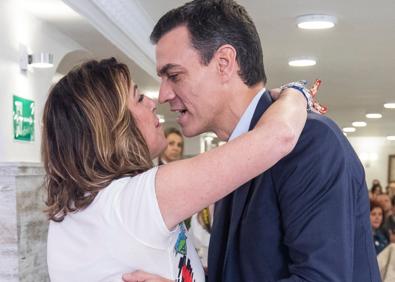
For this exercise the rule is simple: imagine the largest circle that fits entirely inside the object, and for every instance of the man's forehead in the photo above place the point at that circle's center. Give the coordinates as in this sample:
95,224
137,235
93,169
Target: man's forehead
174,51
173,42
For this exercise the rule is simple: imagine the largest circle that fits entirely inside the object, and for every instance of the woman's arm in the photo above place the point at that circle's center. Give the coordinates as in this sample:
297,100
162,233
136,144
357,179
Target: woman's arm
185,187
141,276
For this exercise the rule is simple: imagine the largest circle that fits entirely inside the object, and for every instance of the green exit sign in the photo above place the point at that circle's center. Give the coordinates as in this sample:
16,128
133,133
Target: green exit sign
23,115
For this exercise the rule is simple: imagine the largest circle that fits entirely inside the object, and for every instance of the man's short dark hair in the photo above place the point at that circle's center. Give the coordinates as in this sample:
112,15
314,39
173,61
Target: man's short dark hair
213,23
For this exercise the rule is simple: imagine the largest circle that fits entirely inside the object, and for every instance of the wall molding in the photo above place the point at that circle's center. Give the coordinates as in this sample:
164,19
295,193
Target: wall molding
21,169
125,24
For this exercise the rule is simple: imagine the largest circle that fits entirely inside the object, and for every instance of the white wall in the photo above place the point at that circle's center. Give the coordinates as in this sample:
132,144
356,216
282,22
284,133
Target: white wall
374,152
192,146
17,27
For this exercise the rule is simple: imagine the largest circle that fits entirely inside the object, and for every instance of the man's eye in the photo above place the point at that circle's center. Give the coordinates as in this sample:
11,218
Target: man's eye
141,98
173,77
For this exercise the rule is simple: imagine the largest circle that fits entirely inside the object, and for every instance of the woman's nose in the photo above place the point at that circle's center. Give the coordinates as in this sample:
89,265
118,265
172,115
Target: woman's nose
152,103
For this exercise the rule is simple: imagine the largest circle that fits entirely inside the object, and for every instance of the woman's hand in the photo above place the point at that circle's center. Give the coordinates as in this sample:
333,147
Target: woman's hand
311,95
275,93
141,276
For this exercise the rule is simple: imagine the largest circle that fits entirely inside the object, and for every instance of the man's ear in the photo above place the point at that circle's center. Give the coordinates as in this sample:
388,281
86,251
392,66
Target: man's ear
226,61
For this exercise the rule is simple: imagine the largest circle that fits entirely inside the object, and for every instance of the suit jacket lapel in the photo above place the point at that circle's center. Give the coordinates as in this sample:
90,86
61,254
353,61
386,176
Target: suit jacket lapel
241,194
263,104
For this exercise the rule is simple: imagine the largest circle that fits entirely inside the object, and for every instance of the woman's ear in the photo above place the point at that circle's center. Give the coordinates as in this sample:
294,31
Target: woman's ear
226,62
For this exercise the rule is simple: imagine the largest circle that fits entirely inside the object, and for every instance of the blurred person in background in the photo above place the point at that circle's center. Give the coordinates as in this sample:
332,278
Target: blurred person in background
375,190
385,201
375,182
380,238
389,222
175,146
391,189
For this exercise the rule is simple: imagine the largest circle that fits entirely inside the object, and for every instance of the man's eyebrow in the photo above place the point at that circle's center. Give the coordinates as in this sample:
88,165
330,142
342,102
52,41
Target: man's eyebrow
165,69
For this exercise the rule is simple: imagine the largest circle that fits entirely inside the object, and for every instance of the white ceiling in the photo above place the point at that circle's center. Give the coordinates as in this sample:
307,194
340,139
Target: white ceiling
57,13
355,60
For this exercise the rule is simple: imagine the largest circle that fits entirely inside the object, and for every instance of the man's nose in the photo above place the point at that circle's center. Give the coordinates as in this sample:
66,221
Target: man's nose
166,92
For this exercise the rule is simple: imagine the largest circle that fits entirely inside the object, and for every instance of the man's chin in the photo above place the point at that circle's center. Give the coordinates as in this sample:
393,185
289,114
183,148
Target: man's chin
190,132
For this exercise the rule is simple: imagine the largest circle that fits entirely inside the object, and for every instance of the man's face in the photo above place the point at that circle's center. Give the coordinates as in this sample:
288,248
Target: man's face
191,88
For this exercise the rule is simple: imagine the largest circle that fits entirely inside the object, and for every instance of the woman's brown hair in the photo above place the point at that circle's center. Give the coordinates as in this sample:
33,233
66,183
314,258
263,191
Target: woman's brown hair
89,136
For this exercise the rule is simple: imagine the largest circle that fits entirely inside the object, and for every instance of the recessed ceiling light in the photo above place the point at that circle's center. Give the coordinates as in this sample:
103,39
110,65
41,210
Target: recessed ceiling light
374,115
389,105
391,138
359,124
349,129
302,62
316,22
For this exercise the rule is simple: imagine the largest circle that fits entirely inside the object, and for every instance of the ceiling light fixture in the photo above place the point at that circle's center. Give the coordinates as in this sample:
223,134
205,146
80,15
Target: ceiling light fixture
389,105
349,129
374,115
306,62
359,124
316,22
391,138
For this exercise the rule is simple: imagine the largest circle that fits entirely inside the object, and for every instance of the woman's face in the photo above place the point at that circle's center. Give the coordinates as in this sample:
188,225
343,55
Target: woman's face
143,110
174,148
376,217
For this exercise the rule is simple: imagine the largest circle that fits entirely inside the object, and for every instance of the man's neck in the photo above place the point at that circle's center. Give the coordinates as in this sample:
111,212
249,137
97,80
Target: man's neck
235,108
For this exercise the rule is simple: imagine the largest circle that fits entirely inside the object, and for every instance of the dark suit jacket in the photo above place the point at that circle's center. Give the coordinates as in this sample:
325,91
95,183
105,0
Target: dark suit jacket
305,219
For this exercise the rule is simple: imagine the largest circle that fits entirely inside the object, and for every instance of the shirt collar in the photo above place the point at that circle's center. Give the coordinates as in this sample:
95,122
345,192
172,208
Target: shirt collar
245,120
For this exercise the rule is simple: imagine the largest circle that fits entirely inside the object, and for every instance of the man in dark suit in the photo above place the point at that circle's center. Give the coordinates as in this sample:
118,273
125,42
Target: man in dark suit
307,218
